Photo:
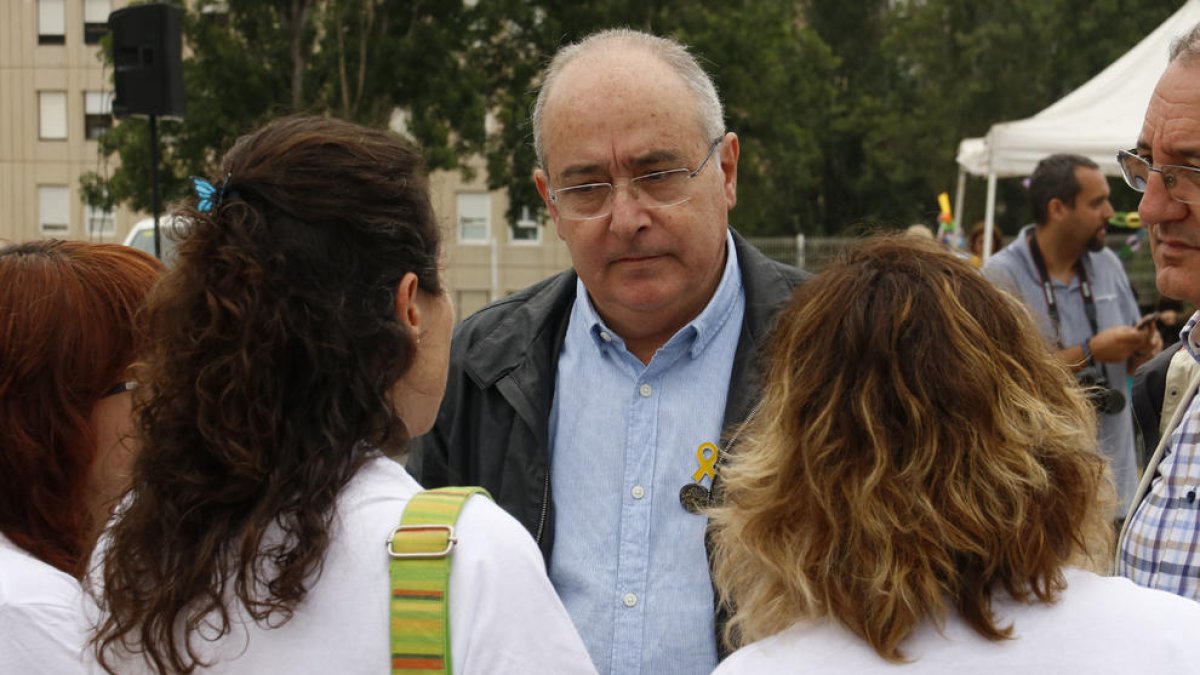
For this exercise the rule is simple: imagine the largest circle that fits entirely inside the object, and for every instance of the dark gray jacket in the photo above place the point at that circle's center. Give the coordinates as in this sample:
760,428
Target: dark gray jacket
493,426
1149,392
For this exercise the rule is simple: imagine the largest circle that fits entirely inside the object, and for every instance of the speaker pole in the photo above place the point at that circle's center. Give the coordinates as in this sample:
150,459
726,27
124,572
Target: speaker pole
154,182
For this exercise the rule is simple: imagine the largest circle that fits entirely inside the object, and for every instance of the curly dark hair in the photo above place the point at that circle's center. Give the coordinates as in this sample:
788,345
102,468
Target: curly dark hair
277,347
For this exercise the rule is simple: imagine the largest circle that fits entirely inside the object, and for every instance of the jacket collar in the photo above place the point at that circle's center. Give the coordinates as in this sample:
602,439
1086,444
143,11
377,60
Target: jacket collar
539,315
533,331
768,286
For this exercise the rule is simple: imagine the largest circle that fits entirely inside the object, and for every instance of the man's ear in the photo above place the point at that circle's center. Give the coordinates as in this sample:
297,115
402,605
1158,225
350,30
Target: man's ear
1056,209
407,312
728,156
542,183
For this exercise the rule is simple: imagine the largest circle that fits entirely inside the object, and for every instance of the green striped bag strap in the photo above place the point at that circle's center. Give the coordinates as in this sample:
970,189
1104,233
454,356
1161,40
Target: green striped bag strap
420,570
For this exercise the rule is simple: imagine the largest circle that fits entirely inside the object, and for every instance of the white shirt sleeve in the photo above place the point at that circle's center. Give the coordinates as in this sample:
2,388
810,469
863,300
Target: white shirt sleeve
504,615
41,638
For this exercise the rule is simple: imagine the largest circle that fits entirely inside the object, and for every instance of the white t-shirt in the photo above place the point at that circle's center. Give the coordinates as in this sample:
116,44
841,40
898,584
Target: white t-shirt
504,614
1101,625
41,615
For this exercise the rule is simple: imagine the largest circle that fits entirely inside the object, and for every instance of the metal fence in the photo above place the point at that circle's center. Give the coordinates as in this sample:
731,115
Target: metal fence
814,253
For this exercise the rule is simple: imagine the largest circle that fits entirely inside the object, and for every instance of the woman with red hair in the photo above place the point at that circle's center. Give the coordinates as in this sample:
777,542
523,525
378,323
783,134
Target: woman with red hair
67,338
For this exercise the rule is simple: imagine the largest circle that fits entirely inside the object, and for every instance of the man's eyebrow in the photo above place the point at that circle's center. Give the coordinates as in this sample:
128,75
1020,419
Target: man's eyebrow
580,169
652,158
656,157
1191,154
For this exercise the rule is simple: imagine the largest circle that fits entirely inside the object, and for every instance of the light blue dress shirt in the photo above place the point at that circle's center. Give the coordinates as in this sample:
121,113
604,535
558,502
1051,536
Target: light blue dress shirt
629,562
1013,270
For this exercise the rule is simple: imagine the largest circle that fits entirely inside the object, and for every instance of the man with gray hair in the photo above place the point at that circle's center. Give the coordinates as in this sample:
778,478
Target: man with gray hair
595,405
1160,545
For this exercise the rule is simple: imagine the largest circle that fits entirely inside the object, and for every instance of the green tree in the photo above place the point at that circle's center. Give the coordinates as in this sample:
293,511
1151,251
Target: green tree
771,71
852,191
247,61
961,66
849,113
776,79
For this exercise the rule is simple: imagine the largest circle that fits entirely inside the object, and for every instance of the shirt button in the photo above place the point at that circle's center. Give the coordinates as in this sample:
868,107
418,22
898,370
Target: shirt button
630,599
645,390
638,492
1191,496
605,336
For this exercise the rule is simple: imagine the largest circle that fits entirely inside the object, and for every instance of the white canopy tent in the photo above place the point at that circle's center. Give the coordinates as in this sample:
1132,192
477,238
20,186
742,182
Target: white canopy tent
1097,119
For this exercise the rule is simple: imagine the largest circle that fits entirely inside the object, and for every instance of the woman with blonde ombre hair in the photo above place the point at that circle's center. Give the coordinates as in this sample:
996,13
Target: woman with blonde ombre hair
920,486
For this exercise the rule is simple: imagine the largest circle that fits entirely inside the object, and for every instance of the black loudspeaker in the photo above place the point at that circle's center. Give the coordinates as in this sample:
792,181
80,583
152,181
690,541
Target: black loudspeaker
147,61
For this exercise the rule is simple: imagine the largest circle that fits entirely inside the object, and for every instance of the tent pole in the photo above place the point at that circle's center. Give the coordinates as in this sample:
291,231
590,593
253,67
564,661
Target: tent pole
989,216
959,195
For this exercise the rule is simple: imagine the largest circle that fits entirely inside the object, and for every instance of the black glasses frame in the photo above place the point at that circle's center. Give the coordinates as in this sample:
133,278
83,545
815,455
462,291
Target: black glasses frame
119,388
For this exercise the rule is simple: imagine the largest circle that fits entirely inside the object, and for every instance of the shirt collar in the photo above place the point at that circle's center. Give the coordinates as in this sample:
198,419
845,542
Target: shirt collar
1191,342
1021,245
699,331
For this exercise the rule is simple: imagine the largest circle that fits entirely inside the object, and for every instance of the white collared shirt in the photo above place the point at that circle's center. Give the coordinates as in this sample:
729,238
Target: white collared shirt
42,625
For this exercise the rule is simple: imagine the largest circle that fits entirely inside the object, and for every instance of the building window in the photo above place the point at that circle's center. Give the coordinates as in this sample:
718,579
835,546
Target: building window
99,222
474,210
54,209
52,115
95,20
526,229
97,113
52,22
468,302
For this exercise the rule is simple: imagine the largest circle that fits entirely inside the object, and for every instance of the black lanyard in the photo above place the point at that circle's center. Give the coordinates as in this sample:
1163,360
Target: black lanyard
1089,303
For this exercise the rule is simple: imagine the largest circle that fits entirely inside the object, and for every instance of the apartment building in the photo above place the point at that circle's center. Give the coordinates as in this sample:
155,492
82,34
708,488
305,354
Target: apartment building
56,100
487,257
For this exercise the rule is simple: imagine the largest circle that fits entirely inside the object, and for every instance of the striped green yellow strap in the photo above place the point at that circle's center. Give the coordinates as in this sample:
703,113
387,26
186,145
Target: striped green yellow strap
420,551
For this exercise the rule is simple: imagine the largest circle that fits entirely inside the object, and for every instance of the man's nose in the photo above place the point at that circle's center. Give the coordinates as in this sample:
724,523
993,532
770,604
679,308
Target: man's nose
1157,206
629,214
1108,210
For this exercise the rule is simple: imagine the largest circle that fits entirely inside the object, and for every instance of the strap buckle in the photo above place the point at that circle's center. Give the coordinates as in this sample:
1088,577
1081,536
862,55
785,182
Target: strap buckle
451,540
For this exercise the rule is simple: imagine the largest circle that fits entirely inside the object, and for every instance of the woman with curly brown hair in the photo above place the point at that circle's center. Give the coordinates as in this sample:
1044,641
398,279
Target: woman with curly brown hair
302,335
67,338
921,485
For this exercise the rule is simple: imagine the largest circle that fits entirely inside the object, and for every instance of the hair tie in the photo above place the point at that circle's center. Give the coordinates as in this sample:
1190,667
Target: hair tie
209,196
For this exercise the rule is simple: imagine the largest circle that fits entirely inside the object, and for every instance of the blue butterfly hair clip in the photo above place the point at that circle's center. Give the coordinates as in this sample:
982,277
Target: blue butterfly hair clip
209,196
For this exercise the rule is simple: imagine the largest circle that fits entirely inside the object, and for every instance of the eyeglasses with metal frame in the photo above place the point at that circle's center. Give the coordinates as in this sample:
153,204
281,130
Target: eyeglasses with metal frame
1182,182
119,388
657,190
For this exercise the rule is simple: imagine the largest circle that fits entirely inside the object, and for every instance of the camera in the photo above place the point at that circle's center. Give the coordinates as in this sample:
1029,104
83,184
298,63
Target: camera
1103,398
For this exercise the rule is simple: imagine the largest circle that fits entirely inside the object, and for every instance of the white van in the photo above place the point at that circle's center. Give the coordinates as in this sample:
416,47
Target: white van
142,236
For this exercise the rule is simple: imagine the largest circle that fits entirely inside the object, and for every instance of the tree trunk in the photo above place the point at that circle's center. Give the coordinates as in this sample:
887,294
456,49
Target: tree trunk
293,18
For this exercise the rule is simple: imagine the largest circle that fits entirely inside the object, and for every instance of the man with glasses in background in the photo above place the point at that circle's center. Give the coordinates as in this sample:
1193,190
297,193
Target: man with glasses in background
595,405
1160,544
1078,293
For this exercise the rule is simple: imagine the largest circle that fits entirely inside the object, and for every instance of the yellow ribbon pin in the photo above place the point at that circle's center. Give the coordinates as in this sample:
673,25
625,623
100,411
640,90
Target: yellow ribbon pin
706,457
